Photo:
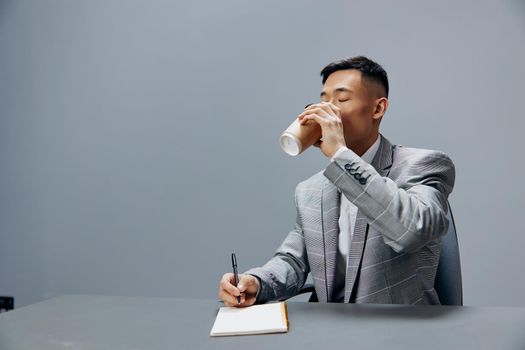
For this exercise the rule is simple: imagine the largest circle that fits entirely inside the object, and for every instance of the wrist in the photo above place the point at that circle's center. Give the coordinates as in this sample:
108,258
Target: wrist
338,151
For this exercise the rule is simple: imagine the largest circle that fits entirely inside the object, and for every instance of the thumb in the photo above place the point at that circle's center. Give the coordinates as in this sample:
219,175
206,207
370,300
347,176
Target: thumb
245,281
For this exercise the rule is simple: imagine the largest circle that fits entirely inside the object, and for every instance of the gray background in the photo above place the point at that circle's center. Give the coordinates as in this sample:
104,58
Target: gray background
138,139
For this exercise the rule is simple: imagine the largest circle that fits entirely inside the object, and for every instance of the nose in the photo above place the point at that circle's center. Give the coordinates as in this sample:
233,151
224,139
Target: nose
333,100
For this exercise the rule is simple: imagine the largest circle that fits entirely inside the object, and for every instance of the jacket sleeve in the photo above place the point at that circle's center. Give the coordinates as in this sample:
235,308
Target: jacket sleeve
285,274
410,212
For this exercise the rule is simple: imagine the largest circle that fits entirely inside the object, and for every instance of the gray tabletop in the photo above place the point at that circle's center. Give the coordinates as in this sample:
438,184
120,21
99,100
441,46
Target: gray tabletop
104,322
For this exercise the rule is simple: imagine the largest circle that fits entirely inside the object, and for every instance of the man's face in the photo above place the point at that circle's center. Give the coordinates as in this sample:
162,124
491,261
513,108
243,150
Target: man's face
357,100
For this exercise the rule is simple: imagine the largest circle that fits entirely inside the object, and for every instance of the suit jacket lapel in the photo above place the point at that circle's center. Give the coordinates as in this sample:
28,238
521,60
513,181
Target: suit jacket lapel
382,162
355,254
330,225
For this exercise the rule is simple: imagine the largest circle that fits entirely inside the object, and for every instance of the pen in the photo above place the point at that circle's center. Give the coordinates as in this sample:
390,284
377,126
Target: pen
235,274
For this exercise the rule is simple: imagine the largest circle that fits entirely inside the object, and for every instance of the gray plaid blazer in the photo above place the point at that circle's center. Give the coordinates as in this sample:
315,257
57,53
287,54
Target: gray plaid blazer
394,252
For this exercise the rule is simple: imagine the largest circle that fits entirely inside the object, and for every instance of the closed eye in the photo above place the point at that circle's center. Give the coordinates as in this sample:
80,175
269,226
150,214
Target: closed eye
344,100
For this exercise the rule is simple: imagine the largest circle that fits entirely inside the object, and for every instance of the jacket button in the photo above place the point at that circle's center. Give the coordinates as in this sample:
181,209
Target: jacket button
357,176
347,166
362,181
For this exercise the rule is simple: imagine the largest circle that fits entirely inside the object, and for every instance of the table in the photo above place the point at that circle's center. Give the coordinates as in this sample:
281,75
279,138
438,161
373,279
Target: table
132,323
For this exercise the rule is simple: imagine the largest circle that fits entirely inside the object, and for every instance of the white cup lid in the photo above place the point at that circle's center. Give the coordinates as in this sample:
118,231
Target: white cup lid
290,144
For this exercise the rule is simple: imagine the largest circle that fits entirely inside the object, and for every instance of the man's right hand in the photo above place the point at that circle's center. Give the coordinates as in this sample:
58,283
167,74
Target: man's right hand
246,289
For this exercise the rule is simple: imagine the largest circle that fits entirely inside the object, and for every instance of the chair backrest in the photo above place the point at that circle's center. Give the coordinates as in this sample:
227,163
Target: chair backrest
448,283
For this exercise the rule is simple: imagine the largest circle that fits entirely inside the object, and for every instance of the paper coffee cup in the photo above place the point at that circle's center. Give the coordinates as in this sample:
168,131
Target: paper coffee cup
297,138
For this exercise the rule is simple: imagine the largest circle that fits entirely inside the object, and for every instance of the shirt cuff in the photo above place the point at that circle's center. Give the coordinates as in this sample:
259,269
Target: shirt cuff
339,151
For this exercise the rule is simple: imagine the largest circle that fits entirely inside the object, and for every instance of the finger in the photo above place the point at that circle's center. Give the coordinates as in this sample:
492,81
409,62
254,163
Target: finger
325,110
325,106
244,304
328,107
245,282
314,118
315,109
248,283
332,109
305,121
302,121
312,107
332,105
226,284
227,297
248,302
324,122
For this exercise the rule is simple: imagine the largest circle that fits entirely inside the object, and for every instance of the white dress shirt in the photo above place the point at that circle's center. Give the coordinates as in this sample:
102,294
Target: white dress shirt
347,217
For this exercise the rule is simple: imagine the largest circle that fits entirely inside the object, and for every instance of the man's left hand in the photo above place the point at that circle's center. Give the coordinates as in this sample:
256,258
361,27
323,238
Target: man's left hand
328,116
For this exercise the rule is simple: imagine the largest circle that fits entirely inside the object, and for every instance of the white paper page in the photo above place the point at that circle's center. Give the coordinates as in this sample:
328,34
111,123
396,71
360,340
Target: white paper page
256,319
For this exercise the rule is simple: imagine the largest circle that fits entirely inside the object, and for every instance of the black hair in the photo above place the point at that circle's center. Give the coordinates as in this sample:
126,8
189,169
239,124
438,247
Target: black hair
368,68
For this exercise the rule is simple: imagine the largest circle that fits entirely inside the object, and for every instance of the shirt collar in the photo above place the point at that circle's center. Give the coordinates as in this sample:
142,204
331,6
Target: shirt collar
370,153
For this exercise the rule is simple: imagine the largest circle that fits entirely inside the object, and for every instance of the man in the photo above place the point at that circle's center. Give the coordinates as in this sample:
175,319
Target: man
369,226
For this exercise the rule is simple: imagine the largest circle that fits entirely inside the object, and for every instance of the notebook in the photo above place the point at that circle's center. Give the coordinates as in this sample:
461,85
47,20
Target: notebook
256,319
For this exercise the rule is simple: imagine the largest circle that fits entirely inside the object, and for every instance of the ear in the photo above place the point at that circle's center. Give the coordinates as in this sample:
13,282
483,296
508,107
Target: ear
380,108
